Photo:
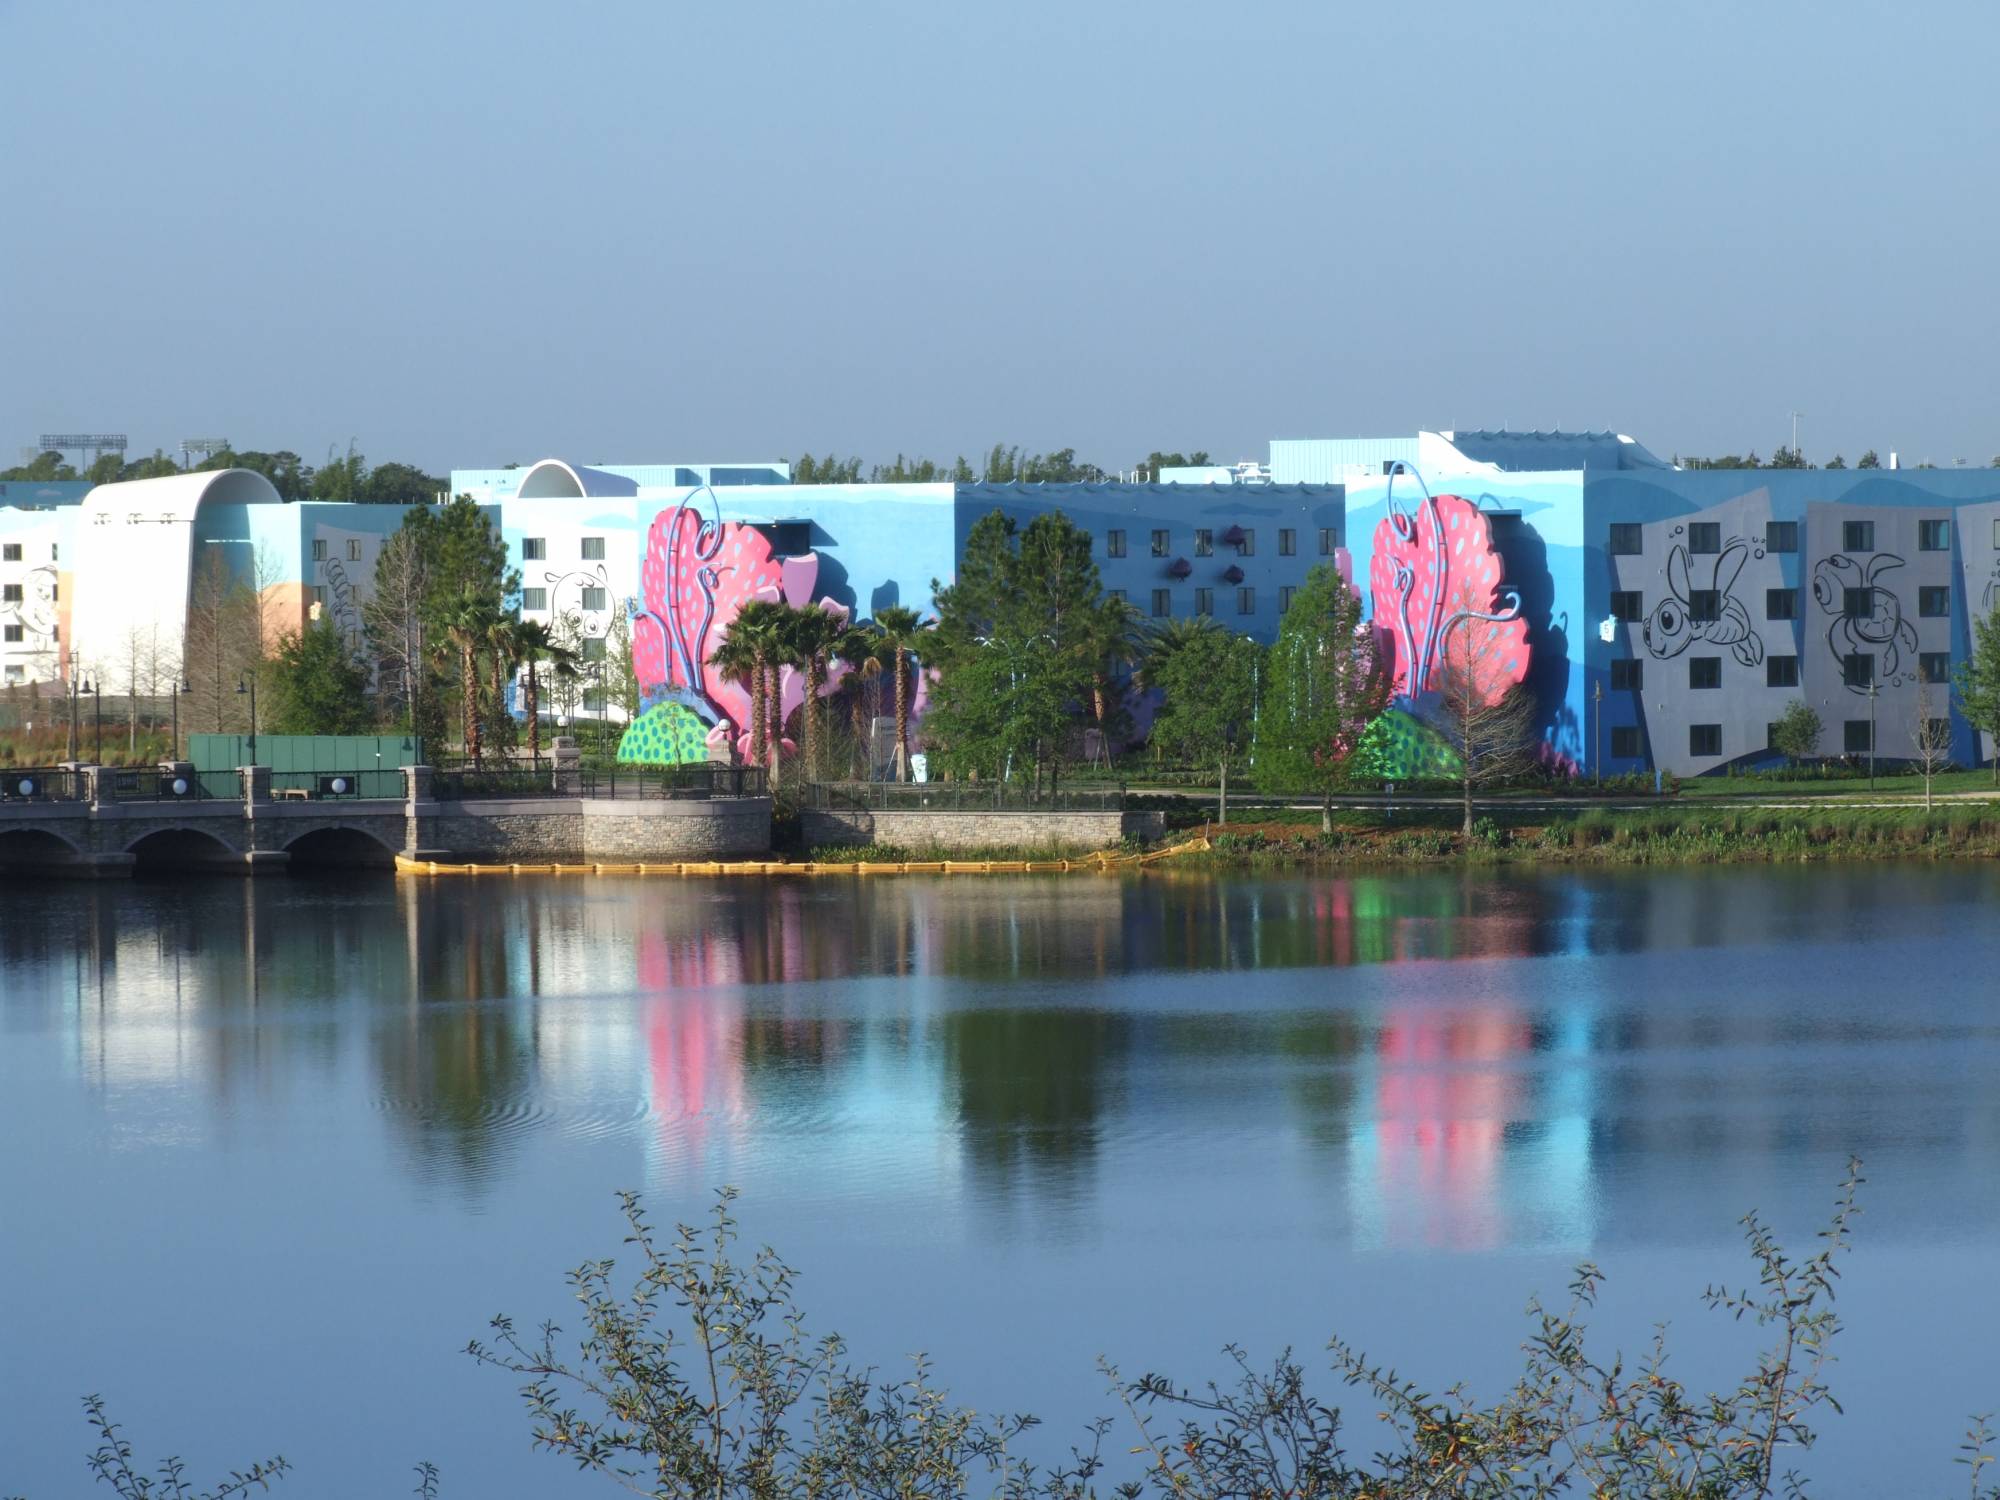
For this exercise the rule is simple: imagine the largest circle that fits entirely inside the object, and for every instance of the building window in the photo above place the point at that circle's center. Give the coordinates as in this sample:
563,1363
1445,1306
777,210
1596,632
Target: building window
1204,601
1704,606
1705,740
1704,536
1934,666
1704,671
1781,604
1159,544
1248,546
319,596
1996,533
1627,539
1246,600
1857,536
319,549
1858,604
55,551
593,599
1117,595
1288,542
593,700
1937,732
1329,539
1857,669
1858,737
354,549
1781,536
1625,742
593,549
1781,671
11,552
593,648
13,634
1163,603
17,674
1114,544
534,548
1934,536
1286,593
1933,601
1628,675
534,599
1628,606
1204,543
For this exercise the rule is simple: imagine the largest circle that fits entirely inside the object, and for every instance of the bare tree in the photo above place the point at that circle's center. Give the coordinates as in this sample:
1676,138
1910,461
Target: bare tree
1487,720
207,650
1930,735
393,617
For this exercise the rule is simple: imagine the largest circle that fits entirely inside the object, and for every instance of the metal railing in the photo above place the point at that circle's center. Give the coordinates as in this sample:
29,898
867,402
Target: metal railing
670,783
146,784
384,784
654,783
954,796
23,784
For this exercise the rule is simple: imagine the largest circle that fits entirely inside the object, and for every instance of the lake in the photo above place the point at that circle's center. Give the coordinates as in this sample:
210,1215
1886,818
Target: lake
275,1150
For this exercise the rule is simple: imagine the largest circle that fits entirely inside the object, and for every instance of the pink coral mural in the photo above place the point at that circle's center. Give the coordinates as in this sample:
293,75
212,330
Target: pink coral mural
697,573
1435,586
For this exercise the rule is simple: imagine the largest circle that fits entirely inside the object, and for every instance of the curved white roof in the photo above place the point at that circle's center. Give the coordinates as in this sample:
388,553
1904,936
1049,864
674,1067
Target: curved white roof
134,563
556,479
178,496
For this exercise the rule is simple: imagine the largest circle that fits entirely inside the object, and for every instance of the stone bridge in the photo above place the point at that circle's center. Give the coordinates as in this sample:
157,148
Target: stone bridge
95,832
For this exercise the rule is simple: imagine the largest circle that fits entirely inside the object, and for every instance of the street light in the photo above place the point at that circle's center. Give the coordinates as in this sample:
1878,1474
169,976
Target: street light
250,686
1871,733
174,693
1598,695
96,691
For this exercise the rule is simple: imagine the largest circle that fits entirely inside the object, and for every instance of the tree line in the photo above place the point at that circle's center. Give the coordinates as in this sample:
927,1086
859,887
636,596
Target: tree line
343,477
1002,464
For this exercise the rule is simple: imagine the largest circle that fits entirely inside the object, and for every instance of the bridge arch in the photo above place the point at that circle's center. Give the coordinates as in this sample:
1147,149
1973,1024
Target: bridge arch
181,847
36,850
339,845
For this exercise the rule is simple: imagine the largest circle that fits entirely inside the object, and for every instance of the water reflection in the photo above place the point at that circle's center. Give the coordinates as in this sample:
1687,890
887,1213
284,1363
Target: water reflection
1451,1062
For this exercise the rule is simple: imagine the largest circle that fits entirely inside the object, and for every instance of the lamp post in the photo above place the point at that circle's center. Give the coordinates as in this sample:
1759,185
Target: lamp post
75,688
174,693
249,685
1871,733
96,691
1598,695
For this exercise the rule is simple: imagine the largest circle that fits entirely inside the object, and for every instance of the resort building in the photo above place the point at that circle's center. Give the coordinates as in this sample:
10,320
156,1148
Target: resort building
1661,618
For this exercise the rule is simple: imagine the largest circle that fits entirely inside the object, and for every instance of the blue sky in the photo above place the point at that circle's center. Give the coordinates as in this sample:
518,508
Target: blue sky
469,234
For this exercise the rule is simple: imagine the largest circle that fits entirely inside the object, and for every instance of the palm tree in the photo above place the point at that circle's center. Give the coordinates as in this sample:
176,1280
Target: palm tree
503,647
813,633
1165,639
1115,638
758,624
902,630
735,657
862,649
535,643
466,627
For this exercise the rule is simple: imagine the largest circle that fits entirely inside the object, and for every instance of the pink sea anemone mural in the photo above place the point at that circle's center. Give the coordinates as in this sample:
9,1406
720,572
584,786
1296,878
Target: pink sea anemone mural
698,572
1435,587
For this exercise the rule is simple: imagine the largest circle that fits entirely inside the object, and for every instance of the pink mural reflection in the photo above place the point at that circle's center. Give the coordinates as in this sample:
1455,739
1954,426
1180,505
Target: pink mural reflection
1443,1096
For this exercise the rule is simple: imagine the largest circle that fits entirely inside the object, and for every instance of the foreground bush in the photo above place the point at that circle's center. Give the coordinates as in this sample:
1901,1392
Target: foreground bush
700,1382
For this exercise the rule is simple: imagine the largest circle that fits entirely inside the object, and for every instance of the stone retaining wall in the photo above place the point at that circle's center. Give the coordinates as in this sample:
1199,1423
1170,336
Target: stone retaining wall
621,830
913,829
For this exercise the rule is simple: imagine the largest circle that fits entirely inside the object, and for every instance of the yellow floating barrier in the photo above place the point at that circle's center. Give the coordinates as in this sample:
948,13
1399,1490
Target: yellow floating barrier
1103,862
